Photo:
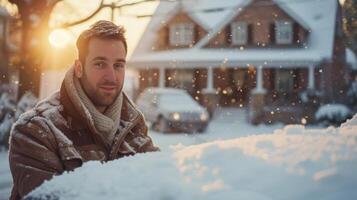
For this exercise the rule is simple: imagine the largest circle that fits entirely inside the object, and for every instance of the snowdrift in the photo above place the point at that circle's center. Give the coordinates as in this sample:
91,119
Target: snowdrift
291,163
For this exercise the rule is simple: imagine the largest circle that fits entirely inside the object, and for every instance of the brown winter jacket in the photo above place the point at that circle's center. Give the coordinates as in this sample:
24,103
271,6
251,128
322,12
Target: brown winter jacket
52,138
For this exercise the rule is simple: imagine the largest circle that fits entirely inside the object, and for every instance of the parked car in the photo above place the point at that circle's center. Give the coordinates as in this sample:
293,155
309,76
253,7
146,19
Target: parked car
170,109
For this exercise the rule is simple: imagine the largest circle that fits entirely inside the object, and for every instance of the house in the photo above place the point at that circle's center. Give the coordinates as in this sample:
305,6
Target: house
278,58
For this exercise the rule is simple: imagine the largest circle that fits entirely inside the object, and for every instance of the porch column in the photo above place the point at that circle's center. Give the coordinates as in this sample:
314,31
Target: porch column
210,98
257,100
259,86
162,77
311,83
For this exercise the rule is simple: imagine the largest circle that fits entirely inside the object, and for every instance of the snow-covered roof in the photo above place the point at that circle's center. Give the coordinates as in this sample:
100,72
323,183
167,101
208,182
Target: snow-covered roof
311,15
204,10
228,57
351,58
158,90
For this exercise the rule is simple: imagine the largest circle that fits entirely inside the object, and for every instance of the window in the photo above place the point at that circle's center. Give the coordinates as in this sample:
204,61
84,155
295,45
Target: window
181,34
284,80
283,32
239,33
239,79
182,78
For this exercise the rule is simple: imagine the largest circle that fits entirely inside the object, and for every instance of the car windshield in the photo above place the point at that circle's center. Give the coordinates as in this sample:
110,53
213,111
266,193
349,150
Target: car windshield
176,99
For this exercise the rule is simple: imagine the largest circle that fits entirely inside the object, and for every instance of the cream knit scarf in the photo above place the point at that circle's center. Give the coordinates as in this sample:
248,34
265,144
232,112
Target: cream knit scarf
104,124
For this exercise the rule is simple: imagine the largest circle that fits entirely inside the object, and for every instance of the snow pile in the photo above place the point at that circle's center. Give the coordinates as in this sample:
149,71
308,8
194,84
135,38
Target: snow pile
291,163
333,114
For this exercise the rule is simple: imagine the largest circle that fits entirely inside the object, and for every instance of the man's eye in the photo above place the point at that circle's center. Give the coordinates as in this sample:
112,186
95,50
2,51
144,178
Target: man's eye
119,65
100,65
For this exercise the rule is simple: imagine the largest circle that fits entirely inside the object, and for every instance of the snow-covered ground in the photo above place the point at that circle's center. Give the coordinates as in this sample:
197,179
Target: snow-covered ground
5,176
227,123
233,160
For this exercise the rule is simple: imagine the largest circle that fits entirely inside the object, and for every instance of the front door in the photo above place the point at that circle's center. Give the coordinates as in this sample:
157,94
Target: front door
237,84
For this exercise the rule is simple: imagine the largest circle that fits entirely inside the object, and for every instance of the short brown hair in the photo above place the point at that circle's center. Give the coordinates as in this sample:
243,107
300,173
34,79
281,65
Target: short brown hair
103,30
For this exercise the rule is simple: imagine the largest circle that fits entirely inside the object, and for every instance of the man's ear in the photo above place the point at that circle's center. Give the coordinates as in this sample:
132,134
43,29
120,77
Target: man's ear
78,68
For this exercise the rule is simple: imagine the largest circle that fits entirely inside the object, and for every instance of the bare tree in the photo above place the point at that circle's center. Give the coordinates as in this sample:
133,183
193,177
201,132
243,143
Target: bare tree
35,16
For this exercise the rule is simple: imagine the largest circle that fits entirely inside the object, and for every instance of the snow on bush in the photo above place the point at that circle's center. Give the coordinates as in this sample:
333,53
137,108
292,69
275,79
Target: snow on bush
27,101
10,112
291,163
310,96
332,114
7,109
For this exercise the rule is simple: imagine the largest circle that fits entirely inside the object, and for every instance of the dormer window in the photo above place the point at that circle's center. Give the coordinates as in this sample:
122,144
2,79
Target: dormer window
239,33
181,34
283,32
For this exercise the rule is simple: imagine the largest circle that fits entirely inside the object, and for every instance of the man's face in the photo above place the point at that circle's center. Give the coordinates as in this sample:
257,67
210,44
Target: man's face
102,75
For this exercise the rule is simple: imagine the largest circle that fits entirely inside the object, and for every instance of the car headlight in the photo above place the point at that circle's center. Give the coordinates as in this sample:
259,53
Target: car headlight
175,116
204,116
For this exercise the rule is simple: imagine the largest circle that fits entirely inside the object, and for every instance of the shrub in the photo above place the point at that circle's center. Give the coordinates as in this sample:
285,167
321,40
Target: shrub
332,114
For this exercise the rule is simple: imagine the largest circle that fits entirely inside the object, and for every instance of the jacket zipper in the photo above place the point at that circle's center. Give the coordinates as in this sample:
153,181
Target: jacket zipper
119,138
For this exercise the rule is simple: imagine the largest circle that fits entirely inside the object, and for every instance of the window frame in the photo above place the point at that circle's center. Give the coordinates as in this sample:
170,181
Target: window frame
284,32
237,28
181,34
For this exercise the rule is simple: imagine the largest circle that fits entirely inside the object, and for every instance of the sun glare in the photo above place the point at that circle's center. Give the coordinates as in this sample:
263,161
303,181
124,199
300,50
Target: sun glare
59,38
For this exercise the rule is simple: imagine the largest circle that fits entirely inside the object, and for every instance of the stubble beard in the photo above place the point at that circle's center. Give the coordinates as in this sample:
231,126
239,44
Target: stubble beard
98,98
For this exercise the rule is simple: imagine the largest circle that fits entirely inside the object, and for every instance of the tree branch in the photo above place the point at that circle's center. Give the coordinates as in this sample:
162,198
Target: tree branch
100,7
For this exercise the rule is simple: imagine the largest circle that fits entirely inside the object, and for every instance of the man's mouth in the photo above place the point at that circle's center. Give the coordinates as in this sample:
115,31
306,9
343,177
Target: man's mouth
108,88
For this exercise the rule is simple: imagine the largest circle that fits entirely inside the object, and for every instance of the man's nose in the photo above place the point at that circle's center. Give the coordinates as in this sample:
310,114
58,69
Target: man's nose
110,74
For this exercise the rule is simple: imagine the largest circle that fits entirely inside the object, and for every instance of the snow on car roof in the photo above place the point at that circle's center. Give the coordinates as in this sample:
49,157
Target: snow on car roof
166,90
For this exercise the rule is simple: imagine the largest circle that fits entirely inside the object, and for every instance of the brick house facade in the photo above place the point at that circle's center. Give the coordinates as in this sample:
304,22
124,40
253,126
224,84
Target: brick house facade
263,55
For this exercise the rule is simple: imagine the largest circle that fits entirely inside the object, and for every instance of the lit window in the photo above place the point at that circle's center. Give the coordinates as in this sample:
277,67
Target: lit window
181,34
239,33
283,32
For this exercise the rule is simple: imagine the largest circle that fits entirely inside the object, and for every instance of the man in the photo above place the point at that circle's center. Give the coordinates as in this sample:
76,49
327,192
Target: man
90,118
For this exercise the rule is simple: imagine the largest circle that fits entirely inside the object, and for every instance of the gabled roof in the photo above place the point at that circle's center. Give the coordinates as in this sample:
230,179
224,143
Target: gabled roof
240,8
180,8
198,10
317,16
210,13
